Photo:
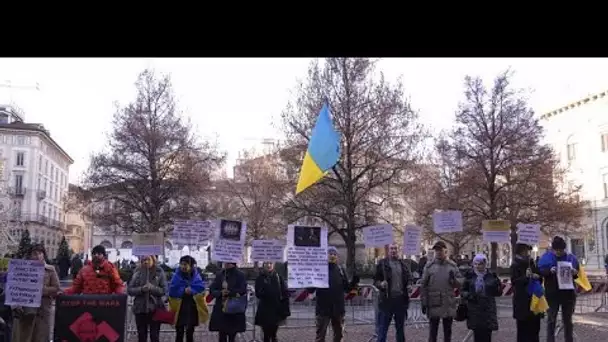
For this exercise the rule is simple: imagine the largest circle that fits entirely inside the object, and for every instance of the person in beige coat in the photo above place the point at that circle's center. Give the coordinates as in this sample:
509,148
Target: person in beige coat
34,324
440,278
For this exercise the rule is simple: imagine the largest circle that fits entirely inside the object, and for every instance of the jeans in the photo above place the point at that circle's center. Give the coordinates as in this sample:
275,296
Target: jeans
482,335
144,323
337,325
187,330
528,330
447,329
270,333
395,309
225,337
567,304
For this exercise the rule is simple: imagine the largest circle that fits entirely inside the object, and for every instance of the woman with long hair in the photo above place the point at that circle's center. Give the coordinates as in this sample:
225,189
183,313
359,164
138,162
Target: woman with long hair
273,301
33,324
148,286
187,299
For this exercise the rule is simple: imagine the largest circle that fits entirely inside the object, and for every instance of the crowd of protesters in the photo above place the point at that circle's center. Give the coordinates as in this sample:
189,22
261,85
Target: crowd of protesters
187,308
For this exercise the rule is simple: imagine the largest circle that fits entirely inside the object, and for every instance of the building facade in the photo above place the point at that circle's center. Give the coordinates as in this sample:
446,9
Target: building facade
78,219
578,132
35,176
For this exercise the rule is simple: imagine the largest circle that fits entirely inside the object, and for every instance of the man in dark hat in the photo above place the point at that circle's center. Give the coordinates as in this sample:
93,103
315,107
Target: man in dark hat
99,277
440,278
557,295
523,272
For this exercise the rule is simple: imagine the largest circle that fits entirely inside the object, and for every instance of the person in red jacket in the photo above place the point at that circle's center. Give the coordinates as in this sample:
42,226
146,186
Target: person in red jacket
99,277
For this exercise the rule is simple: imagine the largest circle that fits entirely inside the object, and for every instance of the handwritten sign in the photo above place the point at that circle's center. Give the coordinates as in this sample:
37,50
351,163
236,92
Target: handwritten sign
228,241
528,233
192,232
307,264
24,283
378,236
411,239
267,250
449,221
496,230
148,244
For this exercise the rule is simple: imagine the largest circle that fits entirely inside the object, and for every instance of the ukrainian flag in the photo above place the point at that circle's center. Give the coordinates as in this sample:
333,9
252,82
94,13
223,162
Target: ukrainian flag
582,279
539,303
323,151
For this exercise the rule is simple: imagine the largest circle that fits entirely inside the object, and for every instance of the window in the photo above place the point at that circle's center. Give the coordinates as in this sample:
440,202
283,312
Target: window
40,163
571,151
605,184
39,183
604,142
20,158
46,167
20,140
19,184
52,171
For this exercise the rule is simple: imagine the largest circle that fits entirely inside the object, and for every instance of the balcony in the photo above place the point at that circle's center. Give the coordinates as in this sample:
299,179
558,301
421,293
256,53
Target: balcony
37,218
17,191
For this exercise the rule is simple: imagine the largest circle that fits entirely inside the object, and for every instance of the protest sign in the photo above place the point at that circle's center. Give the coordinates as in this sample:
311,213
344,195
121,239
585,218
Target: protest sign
24,283
378,236
564,275
148,244
528,233
267,250
191,232
307,264
411,239
496,230
228,241
90,318
449,221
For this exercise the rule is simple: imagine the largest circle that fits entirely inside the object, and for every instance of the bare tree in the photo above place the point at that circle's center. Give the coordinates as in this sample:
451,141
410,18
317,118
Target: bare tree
261,188
154,165
503,169
380,137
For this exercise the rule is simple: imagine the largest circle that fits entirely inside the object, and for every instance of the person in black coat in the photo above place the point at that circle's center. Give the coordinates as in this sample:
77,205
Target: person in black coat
228,283
273,301
523,270
479,291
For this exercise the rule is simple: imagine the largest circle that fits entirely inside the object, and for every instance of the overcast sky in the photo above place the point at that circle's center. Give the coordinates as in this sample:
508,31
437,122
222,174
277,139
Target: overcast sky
237,100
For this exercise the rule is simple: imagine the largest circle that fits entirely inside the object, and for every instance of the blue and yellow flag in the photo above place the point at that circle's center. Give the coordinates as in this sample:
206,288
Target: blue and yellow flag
539,303
323,151
582,279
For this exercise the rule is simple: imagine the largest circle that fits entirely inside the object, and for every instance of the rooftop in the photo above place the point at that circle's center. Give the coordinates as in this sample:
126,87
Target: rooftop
575,104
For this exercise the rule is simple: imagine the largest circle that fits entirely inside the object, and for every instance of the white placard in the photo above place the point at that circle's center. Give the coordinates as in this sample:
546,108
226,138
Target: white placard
378,236
528,233
24,283
267,250
564,275
228,241
411,239
307,264
449,221
145,244
191,232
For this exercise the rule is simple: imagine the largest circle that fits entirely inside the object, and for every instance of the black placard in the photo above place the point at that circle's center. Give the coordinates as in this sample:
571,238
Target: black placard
90,318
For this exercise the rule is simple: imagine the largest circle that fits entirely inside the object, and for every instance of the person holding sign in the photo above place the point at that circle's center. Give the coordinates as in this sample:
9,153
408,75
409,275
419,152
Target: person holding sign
523,273
393,278
439,279
273,301
33,324
229,289
559,269
98,277
148,286
330,307
187,299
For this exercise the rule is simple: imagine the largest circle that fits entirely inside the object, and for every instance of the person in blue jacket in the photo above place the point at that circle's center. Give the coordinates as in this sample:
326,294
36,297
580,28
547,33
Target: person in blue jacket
187,299
556,297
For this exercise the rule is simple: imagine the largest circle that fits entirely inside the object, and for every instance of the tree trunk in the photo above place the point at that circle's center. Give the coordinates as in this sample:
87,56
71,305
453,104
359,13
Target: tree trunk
494,256
351,250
